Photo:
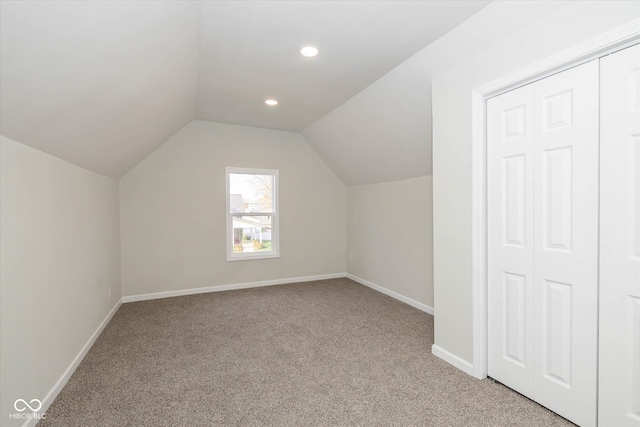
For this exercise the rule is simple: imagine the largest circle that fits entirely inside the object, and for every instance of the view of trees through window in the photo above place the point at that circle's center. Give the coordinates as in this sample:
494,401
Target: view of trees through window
252,208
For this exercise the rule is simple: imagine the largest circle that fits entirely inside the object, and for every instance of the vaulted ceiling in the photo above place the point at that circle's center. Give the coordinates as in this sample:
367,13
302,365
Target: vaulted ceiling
101,84
250,52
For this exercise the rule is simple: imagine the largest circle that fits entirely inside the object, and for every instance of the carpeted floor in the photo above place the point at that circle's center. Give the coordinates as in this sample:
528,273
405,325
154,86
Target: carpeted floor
326,353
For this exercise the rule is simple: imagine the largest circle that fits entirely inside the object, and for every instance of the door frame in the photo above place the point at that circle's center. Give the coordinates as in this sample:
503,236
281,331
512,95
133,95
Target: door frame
595,48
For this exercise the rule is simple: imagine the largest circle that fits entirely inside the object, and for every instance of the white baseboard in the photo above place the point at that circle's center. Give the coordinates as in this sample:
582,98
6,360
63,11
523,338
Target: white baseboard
452,359
59,385
413,303
168,294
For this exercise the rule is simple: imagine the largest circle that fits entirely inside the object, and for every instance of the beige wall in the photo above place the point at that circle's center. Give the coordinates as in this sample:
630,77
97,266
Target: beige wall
389,236
452,180
172,208
59,244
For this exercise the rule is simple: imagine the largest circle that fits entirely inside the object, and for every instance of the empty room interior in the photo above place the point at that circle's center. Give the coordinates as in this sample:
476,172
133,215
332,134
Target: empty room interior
314,213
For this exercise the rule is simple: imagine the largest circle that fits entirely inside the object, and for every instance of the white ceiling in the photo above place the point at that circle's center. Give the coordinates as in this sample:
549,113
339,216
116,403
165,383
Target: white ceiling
384,132
250,52
101,84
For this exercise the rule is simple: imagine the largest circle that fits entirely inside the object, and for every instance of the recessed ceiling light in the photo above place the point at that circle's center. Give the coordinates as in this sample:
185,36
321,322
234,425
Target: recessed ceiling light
309,51
271,102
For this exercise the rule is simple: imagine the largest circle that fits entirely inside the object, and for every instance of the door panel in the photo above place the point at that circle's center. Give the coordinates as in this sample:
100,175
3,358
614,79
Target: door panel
566,242
619,398
510,234
557,201
542,181
514,297
556,341
514,194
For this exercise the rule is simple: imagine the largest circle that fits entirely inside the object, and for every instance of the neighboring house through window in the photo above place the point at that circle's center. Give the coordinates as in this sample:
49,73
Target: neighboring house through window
252,218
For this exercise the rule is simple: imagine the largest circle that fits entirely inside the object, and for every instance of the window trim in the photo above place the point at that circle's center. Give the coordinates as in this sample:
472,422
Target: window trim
275,220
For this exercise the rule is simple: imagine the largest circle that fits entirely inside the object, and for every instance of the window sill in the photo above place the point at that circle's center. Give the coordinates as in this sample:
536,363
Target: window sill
248,257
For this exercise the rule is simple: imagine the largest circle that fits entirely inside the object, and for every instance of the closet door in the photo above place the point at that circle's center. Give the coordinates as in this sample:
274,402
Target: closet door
510,238
566,242
542,180
619,399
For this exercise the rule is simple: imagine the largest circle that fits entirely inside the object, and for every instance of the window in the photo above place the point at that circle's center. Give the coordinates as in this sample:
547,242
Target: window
252,214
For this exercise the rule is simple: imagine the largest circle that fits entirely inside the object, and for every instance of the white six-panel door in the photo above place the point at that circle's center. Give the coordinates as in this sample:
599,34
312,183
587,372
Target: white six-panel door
566,243
510,238
619,398
542,177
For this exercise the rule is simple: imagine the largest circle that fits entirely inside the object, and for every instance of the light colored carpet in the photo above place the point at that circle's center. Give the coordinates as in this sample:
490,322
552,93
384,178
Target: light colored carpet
326,353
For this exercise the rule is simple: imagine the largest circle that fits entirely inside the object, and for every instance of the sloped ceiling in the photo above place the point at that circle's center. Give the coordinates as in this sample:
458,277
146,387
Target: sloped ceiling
250,52
101,84
384,132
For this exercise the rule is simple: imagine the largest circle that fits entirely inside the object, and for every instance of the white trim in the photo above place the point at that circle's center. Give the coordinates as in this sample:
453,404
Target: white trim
220,288
452,359
479,236
597,47
62,381
413,303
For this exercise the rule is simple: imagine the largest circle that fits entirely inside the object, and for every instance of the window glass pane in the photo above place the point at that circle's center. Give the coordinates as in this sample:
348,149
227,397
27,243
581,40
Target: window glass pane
251,233
251,193
252,220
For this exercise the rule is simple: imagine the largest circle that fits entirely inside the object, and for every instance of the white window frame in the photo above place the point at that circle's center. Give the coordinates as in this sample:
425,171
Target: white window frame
275,217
